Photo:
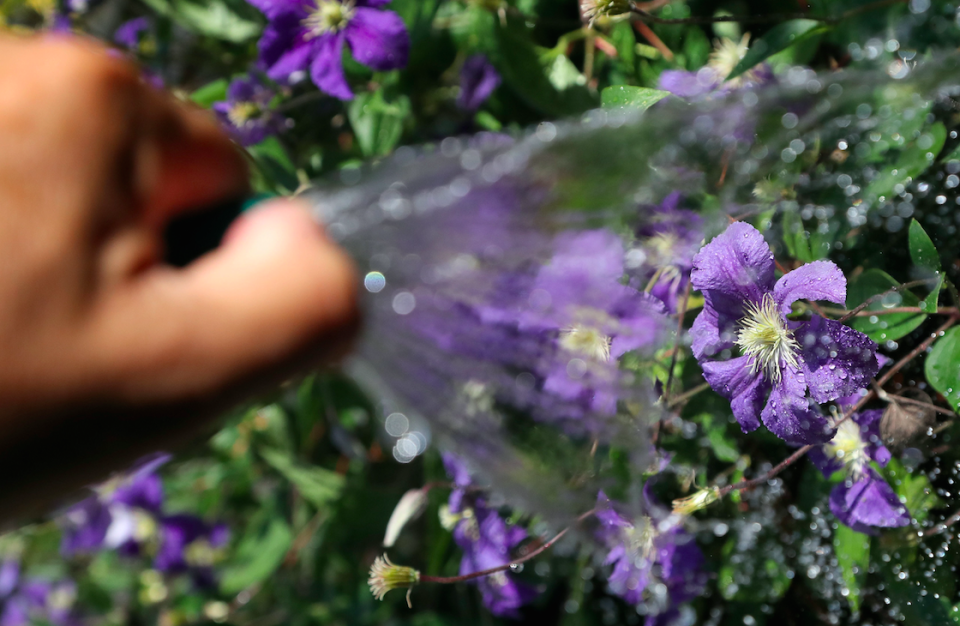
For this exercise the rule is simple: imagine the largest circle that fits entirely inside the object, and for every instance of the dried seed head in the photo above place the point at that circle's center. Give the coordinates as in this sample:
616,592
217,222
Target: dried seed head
906,425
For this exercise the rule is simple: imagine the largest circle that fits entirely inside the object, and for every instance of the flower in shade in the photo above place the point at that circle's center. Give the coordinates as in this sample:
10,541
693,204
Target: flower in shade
121,514
248,113
35,600
309,35
486,540
190,545
131,33
478,79
668,239
654,559
784,366
712,78
863,500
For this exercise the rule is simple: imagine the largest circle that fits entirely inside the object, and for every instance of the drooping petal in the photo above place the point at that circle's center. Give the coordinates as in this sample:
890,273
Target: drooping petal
378,39
478,79
295,59
837,360
738,263
788,413
705,334
326,70
283,35
868,502
820,280
747,390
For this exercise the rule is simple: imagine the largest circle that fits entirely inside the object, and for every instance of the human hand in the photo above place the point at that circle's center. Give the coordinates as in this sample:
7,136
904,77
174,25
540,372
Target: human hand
107,353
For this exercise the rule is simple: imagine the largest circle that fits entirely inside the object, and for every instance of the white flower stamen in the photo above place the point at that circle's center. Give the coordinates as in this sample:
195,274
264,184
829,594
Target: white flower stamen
849,447
330,16
765,338
586,341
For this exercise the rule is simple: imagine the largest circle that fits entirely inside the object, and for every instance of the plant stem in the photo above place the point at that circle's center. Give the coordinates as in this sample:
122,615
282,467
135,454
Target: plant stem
683,397
779,467
759,19
878,296
942,526
944,310
447,580
926,405
681,313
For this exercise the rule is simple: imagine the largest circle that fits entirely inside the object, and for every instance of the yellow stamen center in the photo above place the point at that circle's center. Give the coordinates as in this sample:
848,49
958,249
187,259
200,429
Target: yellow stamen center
330,16
765,338
243,112
848,446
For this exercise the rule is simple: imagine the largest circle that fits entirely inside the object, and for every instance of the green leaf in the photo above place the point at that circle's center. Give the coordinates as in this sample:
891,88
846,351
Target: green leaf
232,20
633,98
914,605
210,93
913,161
723,445
526,72
377,123
925,257
778,38
913,489
882,327
942,367
274,163
853,555
317,486
795,237
258,556
761,575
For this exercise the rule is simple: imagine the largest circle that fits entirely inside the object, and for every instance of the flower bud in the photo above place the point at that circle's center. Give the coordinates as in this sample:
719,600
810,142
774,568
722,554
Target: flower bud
699,500
411,505
385,576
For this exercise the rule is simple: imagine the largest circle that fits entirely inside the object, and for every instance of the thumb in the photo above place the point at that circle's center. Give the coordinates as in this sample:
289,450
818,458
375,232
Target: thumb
275,297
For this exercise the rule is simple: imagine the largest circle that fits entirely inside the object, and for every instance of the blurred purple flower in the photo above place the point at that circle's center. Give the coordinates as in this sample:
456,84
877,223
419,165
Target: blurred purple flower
478,79
33,600
486,540
120,514
863,501
247,112
309,35
668,240
655,548
190,545
594,319
128,34
712,78
781,360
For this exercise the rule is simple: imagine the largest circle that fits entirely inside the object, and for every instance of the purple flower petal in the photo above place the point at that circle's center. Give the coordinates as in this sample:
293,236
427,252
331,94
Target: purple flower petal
820,280
706,334
747,390
837,360
478,79
827,464
738,263
789,416
378,39
868,502
297,59
128,33
326,70
273,8
689,84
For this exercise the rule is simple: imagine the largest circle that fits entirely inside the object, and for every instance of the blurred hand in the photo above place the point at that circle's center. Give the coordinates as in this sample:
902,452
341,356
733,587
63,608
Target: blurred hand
105,352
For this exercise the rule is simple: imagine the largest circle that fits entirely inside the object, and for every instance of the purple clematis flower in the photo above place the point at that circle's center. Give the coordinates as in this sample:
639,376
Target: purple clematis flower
668,240
781,361
578,298
129,33
655,548
34,600
120,515
190,545
309,35
486,540
247,111
478,79
863,501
